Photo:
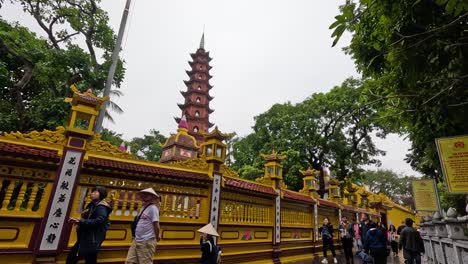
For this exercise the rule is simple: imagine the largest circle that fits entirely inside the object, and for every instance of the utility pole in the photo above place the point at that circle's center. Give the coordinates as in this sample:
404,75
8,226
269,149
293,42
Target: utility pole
115,59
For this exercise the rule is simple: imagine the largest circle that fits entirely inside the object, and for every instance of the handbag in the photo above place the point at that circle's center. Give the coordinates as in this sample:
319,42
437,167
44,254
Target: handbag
136,219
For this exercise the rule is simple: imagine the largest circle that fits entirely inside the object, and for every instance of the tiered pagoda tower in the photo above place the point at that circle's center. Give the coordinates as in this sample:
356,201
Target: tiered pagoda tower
196,106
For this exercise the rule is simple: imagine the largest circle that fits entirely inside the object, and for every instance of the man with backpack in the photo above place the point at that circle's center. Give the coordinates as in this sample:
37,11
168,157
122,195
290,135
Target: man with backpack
145,229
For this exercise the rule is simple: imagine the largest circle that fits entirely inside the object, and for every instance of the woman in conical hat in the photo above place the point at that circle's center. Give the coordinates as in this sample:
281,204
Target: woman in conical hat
208,229
208,247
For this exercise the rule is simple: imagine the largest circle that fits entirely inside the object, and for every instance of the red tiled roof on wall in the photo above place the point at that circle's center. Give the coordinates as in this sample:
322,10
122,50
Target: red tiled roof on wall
250,186
30,152
328,203
298,197
139,168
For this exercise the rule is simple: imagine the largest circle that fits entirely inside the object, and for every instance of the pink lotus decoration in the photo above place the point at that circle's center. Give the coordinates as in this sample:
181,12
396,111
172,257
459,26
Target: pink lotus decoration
246,236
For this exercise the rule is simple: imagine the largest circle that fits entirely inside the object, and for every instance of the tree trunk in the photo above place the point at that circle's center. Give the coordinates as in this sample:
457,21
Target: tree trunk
18,87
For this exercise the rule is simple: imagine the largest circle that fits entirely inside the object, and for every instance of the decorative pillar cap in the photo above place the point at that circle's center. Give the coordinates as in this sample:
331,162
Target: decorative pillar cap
273,156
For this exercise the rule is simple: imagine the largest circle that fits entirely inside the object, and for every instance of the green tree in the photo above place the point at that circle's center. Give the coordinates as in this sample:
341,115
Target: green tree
397,187
447,200
35,72
330,129
250,172
414,57
112,137
148,147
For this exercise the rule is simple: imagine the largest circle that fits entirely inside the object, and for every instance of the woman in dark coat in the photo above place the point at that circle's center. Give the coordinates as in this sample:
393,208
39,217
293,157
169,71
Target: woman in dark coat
210,251
91,228
376,243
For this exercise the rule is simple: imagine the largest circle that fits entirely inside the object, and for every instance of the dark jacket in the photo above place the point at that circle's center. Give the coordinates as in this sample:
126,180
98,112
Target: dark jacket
209,251
91,230
375,239
411,240
400,228
349,229
329,227
363,228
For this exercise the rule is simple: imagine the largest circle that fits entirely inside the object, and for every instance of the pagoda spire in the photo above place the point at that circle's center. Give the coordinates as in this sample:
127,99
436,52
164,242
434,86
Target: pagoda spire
202,41
196,106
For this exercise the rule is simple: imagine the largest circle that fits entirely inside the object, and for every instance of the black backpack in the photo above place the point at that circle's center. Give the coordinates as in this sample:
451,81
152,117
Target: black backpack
215,253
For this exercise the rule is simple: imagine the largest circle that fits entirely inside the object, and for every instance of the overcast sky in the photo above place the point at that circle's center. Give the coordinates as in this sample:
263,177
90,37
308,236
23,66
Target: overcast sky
264,52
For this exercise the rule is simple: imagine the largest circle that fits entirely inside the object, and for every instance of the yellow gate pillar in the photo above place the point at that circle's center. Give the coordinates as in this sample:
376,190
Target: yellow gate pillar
215,152
54,230
274,173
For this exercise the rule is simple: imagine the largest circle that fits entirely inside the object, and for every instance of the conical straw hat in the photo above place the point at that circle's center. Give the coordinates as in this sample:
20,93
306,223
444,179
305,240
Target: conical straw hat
208,229
150,191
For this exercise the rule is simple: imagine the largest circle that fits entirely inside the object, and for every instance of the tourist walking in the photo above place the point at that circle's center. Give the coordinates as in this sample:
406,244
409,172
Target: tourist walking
357,236
90,228
210,251
364,226
376,243
327,238
347,235
392,235
411,243
145,228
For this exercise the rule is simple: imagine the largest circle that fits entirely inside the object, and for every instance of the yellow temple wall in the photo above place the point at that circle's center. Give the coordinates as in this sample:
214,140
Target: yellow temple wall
246,218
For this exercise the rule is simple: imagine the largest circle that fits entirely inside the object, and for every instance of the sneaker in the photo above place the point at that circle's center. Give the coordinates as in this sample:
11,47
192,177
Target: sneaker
325,261
335,260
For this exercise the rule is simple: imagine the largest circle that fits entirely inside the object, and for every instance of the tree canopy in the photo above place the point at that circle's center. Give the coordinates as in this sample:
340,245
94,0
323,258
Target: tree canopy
148,147
397,187
414,58
36,72
325,130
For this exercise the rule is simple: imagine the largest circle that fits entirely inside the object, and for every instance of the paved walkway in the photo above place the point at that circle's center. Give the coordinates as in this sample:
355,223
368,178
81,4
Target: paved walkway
341,260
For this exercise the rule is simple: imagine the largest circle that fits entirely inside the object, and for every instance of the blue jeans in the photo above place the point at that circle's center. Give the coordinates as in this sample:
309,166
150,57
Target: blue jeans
412,257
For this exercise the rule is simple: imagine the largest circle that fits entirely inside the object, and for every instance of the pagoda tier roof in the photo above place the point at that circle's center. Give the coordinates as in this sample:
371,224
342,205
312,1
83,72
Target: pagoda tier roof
186,93
192,77
190,73
36,153
297,196
248,185
177,119
184,105
192,63
188,82
201,54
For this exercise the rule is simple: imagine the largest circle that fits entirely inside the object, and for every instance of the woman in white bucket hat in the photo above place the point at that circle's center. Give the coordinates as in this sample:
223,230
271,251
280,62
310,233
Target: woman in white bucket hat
211,254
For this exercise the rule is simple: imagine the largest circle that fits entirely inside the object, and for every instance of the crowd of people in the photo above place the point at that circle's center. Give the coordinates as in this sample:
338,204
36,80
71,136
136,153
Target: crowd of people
92,226
373,241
